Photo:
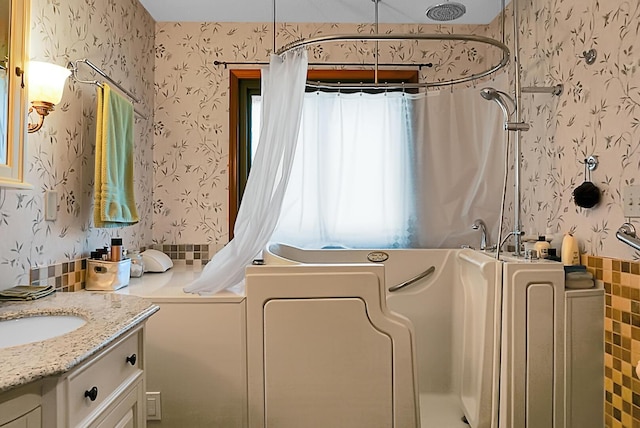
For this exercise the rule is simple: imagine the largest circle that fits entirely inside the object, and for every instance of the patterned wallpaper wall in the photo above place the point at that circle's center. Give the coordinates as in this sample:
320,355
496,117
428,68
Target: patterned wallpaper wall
596,115
118,36
191,107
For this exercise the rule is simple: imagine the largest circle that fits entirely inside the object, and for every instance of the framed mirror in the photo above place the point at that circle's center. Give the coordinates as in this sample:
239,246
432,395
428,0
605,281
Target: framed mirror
14,39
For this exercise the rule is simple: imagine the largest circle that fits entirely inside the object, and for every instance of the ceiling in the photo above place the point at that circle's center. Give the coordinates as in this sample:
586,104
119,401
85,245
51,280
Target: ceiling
334,11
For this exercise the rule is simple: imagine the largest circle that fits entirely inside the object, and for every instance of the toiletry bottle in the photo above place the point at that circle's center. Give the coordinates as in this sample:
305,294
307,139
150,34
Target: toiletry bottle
116,249
137,264
570,253
542,247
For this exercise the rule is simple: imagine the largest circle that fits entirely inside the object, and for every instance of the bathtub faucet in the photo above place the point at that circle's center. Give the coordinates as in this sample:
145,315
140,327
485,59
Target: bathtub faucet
484,238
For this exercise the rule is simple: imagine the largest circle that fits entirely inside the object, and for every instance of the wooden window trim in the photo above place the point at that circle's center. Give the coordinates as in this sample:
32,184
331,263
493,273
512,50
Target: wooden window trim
235,79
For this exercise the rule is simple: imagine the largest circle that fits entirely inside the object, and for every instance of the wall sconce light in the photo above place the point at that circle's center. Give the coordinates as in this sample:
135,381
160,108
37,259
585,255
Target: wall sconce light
46,84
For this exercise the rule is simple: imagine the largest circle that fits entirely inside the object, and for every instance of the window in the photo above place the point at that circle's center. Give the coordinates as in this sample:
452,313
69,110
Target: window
357,157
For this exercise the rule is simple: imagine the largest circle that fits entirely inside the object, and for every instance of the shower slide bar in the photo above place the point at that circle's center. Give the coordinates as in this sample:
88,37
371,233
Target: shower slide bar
627,234
73,67
413,280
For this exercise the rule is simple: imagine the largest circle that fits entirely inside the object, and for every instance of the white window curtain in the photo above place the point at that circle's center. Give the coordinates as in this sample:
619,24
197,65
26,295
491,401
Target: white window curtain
283,87
352,180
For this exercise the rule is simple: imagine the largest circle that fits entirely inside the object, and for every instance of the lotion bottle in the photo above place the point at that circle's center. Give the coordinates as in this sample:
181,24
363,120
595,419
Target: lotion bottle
542,247
570,253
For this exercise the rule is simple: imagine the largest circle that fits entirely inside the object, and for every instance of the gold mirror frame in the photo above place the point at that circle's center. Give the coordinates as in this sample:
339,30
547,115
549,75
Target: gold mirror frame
12,173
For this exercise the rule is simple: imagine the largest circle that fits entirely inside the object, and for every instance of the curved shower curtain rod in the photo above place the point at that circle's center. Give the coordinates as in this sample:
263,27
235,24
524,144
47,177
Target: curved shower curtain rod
397,37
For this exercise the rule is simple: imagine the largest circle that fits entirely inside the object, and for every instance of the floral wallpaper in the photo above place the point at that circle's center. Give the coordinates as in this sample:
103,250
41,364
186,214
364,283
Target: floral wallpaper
181,147
191,106
118,36
597,114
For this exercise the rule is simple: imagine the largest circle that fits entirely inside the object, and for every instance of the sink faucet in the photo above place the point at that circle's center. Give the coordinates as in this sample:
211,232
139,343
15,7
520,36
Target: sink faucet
484,239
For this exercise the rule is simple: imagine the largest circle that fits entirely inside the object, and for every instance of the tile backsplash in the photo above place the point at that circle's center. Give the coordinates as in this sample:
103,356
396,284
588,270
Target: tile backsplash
66,276
622,338
70,276
189,254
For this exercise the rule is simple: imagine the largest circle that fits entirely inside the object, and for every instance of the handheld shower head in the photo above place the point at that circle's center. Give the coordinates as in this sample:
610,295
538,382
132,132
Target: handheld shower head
491,94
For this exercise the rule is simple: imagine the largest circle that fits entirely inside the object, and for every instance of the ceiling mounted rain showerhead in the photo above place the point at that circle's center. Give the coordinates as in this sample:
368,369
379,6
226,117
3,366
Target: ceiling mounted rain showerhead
446,11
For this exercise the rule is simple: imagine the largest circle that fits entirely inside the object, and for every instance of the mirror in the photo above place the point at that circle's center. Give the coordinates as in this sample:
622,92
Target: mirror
14,28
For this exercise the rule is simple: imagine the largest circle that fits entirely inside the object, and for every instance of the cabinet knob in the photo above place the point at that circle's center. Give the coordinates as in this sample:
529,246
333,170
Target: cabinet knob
132,359
92,393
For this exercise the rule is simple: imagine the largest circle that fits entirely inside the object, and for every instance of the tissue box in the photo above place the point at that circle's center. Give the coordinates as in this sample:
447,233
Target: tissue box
107,276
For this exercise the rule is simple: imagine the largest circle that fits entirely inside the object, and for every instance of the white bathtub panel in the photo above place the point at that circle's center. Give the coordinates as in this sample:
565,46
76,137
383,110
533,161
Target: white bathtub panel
479,308
584,363
540,352
326,365
523,359
429,306
196,358
266,283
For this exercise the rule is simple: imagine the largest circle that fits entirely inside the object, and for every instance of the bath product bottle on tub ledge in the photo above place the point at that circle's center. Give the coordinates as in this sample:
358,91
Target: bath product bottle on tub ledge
542,247
570,253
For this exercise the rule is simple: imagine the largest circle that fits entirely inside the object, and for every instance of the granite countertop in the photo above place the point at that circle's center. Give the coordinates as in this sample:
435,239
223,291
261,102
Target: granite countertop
108,316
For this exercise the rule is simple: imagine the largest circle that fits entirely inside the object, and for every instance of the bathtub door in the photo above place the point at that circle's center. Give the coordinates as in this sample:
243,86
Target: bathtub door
323,351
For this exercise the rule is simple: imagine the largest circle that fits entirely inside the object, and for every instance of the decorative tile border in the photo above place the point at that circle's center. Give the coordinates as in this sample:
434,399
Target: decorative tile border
65,276
622,338
189,254
70,276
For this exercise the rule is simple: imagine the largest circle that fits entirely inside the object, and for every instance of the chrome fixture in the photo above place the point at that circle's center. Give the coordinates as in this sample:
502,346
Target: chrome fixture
589,56
517,234
627,234
591,163
484,239
491,94
413,280
553,90
446,11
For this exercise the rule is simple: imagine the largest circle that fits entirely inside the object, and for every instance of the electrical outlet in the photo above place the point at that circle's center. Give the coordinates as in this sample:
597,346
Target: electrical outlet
631,201
154,408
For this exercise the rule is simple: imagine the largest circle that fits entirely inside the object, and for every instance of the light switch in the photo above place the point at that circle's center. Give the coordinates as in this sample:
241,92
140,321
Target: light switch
50,205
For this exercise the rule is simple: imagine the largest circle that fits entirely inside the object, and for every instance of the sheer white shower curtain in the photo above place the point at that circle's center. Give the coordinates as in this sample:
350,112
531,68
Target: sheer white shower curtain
283,87
395,170
459,165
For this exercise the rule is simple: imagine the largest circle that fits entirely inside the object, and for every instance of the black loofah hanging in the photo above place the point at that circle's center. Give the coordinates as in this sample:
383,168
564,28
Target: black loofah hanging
586,195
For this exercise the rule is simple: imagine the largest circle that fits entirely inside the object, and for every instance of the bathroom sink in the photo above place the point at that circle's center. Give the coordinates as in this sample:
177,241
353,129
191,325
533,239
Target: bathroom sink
20,331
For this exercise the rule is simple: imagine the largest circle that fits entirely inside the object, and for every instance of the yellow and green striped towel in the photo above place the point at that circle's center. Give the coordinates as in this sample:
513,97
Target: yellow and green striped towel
114,195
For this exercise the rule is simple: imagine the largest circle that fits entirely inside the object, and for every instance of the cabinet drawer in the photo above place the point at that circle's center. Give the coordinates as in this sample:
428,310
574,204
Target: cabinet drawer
126,412
111,371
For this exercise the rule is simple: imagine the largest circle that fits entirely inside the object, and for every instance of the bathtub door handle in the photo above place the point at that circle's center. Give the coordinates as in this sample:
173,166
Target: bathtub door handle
413,280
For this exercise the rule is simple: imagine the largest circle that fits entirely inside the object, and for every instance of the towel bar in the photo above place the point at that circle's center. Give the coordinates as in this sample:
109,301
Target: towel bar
73,66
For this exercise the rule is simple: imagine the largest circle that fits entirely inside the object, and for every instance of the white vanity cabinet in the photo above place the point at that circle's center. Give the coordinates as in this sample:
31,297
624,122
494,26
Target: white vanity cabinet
21,408
105,391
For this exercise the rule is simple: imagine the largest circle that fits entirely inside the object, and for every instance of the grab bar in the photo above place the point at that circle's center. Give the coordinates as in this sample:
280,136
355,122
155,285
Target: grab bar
413,280
627,234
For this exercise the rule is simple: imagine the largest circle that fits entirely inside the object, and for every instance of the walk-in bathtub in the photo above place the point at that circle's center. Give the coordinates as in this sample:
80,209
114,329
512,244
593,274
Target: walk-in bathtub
474,321
454,312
